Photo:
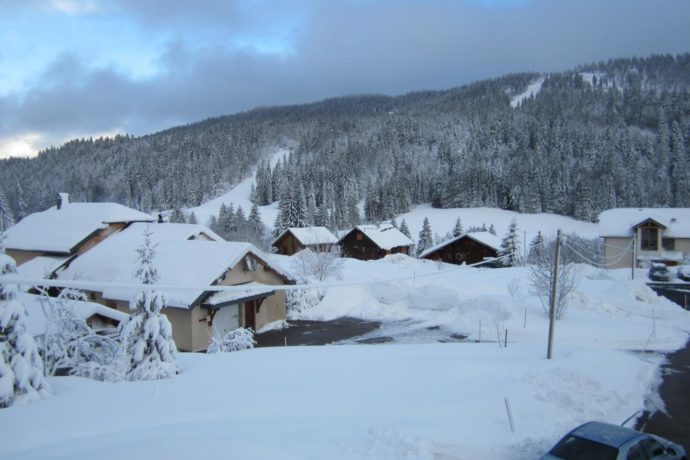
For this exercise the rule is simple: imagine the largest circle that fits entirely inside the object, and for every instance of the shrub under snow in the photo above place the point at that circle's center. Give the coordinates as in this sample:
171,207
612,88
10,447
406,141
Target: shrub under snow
238,339
70,345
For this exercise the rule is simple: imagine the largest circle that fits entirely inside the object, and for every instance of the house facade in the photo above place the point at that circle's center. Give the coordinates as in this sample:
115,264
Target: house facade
469,248
640,236
293,240
368,242
188,271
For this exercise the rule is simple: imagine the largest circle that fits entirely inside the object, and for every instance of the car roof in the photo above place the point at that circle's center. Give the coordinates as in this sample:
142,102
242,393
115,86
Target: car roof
606,433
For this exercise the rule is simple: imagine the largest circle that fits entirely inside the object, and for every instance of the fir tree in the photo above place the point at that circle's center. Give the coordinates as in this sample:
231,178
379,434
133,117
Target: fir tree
510,247
426,238
404,229
21,367
192,218
457,229
255,221
177,217
6,215
537,249
148,349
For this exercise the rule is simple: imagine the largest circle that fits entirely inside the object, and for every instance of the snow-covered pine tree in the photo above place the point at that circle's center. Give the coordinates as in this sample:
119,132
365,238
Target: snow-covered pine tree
177,217
457,229
426,237
22,375
192,218
255,221
147,349
6,215
510,247
404,229
537,249
492,229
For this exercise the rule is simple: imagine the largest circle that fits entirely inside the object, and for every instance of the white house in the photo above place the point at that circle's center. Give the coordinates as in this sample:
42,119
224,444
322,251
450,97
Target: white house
653,234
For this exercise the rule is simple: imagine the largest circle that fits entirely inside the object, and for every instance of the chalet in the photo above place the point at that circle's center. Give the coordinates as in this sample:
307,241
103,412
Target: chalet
646,234
469,248
367,242
66,230
196,313
293,240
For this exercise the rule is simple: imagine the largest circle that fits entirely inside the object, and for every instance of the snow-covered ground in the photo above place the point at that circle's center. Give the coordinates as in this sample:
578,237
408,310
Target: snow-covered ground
413,398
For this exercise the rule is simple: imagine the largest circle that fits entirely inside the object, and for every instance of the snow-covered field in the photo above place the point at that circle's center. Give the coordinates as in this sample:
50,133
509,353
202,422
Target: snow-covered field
413,398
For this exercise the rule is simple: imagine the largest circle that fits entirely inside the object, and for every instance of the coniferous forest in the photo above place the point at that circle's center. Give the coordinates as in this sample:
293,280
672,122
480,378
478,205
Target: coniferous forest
605,135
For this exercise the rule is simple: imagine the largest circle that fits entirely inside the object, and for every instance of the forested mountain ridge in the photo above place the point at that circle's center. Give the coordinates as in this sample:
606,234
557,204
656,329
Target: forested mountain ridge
605,135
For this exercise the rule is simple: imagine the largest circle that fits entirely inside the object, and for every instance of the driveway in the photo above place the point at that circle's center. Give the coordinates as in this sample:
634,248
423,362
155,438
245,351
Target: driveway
316,332
675,392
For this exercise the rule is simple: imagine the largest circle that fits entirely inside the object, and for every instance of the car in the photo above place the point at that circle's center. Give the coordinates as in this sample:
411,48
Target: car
604,441
684,272
659,272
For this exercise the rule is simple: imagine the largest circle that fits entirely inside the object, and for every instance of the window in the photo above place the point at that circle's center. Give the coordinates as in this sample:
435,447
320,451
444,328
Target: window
669,244
573,448
649,238
359,237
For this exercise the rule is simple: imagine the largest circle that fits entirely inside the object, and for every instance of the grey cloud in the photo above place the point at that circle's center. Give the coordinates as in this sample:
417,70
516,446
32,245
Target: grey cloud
342,48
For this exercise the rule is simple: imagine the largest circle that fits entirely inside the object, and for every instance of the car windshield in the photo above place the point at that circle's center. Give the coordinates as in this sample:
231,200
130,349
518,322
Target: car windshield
574,448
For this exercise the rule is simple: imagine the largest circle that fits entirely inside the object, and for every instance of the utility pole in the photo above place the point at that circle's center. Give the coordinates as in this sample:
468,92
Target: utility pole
554,292
634,255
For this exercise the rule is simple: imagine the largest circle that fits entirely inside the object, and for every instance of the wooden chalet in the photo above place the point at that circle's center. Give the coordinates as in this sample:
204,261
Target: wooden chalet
469,248
293,240
368,242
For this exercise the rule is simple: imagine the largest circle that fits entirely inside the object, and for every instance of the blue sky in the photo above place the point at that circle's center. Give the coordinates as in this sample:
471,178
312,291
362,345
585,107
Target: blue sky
78,68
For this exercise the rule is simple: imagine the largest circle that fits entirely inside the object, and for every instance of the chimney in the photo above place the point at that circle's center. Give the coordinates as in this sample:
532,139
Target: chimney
62,200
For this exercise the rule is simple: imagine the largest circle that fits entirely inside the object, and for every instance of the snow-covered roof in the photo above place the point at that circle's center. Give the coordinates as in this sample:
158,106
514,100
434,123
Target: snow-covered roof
41,267
36,307
385,236
244,292
61,230
485,238
310,235
179,262
171,231
621,221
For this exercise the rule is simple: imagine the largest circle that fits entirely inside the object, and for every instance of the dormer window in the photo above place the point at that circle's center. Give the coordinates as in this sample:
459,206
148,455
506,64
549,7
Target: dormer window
649,237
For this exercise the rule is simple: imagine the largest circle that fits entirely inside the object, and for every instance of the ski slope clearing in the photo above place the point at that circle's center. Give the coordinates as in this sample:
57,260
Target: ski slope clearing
531,91
414,398
239,196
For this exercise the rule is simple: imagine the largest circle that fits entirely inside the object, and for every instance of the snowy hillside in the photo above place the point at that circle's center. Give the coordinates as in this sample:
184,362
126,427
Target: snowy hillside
443,220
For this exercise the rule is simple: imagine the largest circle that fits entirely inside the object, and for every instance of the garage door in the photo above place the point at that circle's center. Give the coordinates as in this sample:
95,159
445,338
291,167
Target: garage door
226,320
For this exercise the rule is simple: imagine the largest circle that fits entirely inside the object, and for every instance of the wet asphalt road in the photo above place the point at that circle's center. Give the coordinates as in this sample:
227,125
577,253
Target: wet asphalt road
316,332
675,392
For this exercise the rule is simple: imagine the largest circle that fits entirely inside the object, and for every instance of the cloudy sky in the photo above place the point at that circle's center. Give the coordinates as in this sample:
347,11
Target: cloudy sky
78,68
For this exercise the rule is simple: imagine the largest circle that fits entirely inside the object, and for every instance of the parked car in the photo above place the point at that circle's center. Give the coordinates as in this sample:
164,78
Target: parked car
684,272
603,441
659,272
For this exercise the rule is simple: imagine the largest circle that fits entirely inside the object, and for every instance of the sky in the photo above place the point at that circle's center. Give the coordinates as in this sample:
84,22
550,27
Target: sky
90,68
